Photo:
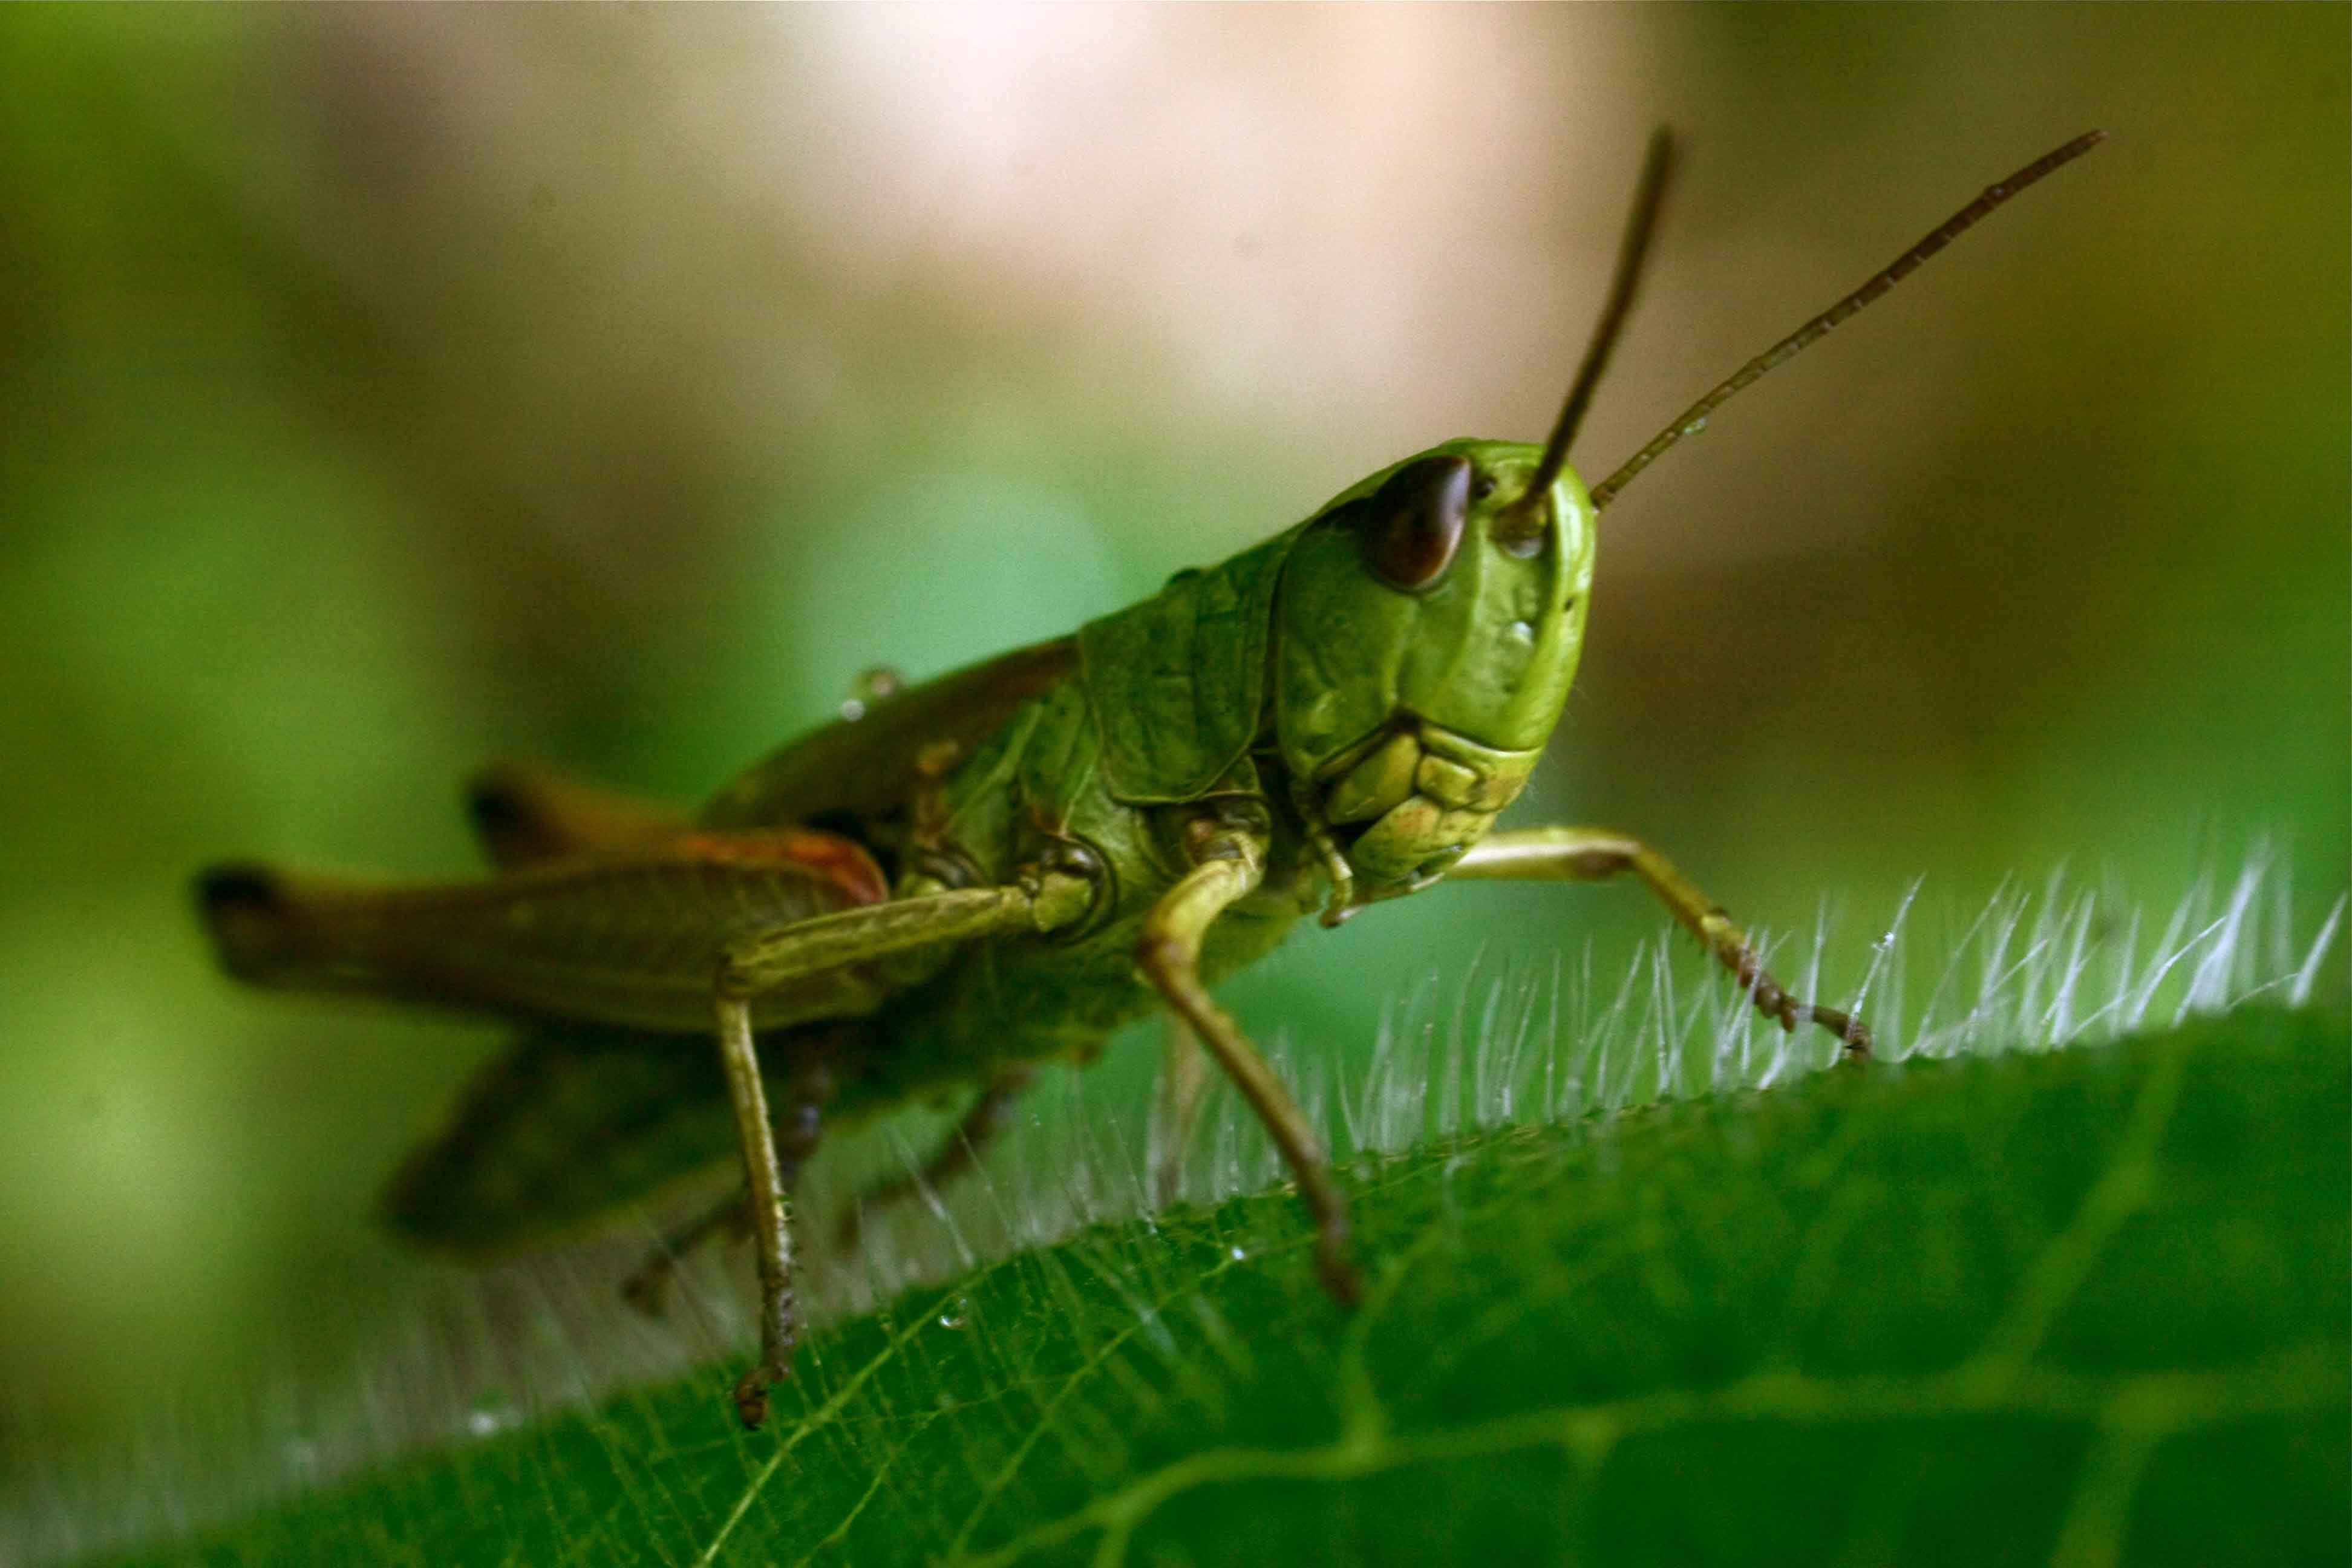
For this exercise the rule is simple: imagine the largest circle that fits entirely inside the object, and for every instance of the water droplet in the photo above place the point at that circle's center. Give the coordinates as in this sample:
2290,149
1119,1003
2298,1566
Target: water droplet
488,1414
871,687
1695,426
957,1315
1238,1254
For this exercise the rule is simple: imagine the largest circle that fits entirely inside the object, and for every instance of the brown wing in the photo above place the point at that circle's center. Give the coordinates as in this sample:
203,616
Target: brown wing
527,814
866,768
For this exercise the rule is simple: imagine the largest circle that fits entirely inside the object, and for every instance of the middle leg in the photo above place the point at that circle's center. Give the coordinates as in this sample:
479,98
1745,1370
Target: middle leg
1184,1090
647,1287
1228,866
981,1126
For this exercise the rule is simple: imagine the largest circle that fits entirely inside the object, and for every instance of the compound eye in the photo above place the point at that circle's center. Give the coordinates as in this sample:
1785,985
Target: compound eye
1411,526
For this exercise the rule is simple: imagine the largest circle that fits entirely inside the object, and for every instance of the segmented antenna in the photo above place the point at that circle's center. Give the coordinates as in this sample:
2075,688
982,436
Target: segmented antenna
1693,418
1523,521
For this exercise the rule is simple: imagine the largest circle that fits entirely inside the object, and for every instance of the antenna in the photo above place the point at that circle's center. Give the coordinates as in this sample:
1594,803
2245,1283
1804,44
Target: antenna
1693,418
1521,521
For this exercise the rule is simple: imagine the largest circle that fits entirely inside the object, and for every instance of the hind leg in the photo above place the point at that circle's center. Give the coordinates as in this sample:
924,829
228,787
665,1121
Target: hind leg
827,944
647,1287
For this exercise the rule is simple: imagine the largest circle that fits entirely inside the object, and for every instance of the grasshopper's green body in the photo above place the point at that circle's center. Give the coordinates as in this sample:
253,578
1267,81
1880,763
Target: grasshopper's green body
1000,867
1145,719
1170,719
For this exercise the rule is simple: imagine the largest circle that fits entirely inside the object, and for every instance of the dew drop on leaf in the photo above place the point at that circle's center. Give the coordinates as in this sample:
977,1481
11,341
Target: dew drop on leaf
489,1413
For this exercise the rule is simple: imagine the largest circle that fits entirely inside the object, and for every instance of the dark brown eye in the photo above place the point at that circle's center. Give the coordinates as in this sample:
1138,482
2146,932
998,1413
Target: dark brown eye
1411,527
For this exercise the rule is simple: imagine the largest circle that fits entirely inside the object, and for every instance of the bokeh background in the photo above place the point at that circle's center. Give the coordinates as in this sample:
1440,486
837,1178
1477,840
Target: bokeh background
386,390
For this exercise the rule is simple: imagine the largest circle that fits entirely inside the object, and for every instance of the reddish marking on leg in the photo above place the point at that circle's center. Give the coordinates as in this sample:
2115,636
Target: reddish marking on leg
844,862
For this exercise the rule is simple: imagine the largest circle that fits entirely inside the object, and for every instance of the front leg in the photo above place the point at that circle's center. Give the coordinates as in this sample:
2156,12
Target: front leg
1228,864
1595,854
811,947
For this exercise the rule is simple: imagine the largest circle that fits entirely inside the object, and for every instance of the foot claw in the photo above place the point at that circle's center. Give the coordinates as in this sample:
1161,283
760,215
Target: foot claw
751,1393
1778,1004
1338,1275
1849,1029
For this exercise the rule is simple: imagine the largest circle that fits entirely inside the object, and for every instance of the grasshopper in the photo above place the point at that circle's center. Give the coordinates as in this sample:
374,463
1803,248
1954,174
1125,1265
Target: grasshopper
959,882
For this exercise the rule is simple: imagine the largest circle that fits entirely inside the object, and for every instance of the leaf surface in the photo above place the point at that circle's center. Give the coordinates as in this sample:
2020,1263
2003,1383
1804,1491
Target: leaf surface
2084,1307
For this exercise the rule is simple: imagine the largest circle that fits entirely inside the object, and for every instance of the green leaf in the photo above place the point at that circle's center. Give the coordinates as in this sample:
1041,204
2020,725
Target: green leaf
2081,1307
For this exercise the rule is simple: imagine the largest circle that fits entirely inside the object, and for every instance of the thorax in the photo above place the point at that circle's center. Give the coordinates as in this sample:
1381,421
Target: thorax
1036,791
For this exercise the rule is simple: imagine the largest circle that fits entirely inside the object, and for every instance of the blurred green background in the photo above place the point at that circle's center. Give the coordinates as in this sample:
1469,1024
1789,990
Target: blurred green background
386,390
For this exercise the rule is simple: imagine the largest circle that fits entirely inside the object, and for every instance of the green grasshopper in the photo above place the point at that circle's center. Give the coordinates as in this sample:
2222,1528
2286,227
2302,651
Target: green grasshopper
999,868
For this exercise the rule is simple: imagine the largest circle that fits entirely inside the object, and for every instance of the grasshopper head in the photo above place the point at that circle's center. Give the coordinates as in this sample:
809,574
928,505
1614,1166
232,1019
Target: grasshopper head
1428,625
1426,630
1427,622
